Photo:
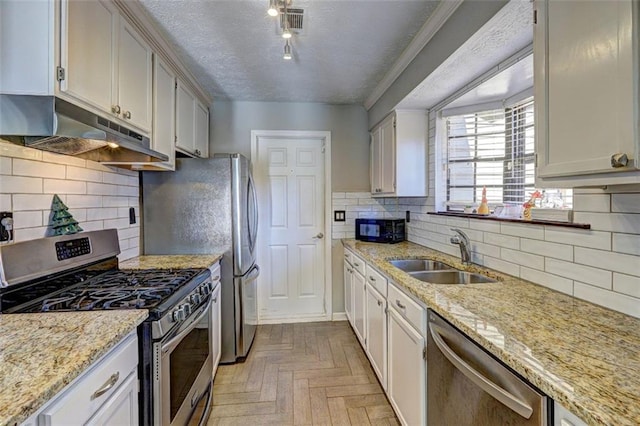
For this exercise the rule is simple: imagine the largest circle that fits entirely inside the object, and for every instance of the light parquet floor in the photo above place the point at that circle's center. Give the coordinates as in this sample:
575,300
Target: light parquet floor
301,374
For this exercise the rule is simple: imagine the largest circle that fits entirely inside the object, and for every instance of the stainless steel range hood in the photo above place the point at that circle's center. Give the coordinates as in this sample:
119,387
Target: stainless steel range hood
52,124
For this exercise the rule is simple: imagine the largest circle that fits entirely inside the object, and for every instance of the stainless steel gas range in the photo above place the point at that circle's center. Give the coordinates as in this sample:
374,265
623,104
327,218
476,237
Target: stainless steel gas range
80,272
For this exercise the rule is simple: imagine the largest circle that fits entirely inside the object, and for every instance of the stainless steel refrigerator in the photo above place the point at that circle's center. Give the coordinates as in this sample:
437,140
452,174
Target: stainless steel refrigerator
210,206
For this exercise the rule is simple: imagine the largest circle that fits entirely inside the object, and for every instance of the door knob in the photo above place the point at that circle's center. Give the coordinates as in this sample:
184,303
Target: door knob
619,160
319,236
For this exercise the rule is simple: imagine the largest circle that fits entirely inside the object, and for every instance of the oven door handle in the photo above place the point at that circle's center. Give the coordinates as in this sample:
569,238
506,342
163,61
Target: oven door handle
178,337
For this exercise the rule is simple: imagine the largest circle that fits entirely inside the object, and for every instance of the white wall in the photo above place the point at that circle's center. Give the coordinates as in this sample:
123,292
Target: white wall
232,123
98,197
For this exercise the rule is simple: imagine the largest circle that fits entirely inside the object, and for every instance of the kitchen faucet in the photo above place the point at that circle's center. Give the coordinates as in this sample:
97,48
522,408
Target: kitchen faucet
465,245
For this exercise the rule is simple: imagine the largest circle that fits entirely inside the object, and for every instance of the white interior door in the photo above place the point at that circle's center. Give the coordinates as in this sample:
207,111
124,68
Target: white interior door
290,181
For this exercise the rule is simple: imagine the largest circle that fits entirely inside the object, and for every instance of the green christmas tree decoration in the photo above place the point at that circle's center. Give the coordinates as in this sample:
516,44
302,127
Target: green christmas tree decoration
62,222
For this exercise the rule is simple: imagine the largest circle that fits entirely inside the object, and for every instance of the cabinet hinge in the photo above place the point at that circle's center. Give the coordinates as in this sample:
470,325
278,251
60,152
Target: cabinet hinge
394,123
60,73
424,353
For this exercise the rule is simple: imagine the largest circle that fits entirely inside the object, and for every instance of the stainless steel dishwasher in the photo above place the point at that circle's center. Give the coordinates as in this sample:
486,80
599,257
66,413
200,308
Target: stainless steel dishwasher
467,386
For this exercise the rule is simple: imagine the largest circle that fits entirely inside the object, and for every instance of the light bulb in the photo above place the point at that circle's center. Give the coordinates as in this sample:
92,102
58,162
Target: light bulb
286,34
287,51
113,145
273,10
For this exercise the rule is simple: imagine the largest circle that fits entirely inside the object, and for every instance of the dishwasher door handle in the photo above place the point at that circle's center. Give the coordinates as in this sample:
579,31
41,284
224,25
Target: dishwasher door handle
485,384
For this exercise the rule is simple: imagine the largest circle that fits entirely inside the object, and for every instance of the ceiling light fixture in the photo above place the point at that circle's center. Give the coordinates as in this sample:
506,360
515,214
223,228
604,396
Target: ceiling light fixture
287,51
273,8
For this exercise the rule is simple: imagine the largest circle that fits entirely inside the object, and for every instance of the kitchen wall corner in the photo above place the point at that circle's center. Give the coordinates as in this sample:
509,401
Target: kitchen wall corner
98,197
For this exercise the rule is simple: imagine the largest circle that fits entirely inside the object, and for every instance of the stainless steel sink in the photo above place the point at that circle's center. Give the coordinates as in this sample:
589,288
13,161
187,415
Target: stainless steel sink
416,265
451,277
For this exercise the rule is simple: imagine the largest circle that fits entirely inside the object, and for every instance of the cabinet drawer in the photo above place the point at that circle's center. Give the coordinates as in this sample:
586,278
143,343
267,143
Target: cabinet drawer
415,314
80,400
358,264
348,257
377,280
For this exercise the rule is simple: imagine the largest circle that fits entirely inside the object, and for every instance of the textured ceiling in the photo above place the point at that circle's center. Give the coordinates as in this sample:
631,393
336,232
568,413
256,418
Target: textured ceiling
235,51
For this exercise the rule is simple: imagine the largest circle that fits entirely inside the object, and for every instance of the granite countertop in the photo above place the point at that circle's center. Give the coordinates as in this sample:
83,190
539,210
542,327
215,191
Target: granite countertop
41,353
171,261
584,356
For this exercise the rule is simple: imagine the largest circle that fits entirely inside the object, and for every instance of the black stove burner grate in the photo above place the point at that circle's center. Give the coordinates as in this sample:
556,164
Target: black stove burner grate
114,289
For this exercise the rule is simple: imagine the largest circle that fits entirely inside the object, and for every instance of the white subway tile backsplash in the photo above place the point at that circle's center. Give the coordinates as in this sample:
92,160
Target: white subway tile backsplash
626,284
609,299
129,233
8,149
30,219
52,157
521,258
544,248
614,222
84,201
95,225
551,281
578,237
102,213
59,186
485,225
627,243
485,249
611,261
527,231
82,173
502,266
128,254
360,195
115,179
587,274
625,203
5,166
116,223
117,201
20,185
32,202
506,241
37,169
592,202
102,189
338,195
5,202
30,233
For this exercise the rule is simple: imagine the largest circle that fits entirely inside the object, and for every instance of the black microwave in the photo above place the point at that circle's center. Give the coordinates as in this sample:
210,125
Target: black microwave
380,230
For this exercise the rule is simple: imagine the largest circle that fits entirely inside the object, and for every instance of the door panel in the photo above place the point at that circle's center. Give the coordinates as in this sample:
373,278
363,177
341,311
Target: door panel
290,183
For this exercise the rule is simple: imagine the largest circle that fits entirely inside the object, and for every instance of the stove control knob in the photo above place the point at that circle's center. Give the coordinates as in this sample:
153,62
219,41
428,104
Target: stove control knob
178,314
195,299
187,309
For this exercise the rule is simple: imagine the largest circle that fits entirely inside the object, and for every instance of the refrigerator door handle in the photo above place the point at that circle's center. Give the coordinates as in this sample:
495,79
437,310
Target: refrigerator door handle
253,227
253,273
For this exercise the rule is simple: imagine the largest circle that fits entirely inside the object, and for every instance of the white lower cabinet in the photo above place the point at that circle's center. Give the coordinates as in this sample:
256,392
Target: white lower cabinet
391,327
563,417
407,379
376,332
105,394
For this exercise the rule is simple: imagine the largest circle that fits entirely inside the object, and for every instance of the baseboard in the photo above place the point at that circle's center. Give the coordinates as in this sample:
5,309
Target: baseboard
287,320
339,316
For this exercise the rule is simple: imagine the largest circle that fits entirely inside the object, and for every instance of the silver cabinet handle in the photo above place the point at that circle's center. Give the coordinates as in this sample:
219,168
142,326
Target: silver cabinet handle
115,109
506,398
619,160
356,263
379,303
400,305
111,382
127,115
372,279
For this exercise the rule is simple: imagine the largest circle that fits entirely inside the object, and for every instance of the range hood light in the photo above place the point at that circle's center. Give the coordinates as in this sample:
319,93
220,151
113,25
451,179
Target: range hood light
113,145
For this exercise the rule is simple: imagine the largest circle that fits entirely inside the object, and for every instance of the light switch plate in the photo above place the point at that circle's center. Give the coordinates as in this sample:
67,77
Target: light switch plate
339,215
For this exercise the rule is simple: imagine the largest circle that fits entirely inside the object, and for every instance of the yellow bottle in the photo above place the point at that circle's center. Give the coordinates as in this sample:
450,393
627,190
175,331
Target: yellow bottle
484,207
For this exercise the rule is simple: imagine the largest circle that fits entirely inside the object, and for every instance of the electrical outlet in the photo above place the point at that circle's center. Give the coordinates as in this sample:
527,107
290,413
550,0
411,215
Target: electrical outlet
6,226
339,216
132,215
408,216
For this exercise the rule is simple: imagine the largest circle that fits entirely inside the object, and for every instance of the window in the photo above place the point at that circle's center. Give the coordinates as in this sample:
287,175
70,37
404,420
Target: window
495,150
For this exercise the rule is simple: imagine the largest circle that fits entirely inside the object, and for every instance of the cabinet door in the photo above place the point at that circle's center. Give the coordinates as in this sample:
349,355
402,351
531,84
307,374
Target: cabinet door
358,306
563,417
122,408
201,131
87,52
388,156
134,78
185,118
348,292
584,54
164,111
376,164
407,370
376,332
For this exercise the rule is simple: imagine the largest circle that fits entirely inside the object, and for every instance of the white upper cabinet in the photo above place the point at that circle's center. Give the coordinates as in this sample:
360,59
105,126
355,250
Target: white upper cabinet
192,123
586,93
106,64
88,46
164,112
134,78
399,155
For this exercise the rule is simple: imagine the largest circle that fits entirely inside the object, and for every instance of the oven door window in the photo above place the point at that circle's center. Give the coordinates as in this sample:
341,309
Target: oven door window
186,362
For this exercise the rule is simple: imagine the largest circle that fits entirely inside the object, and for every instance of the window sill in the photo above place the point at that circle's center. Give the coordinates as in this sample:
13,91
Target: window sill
501,219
